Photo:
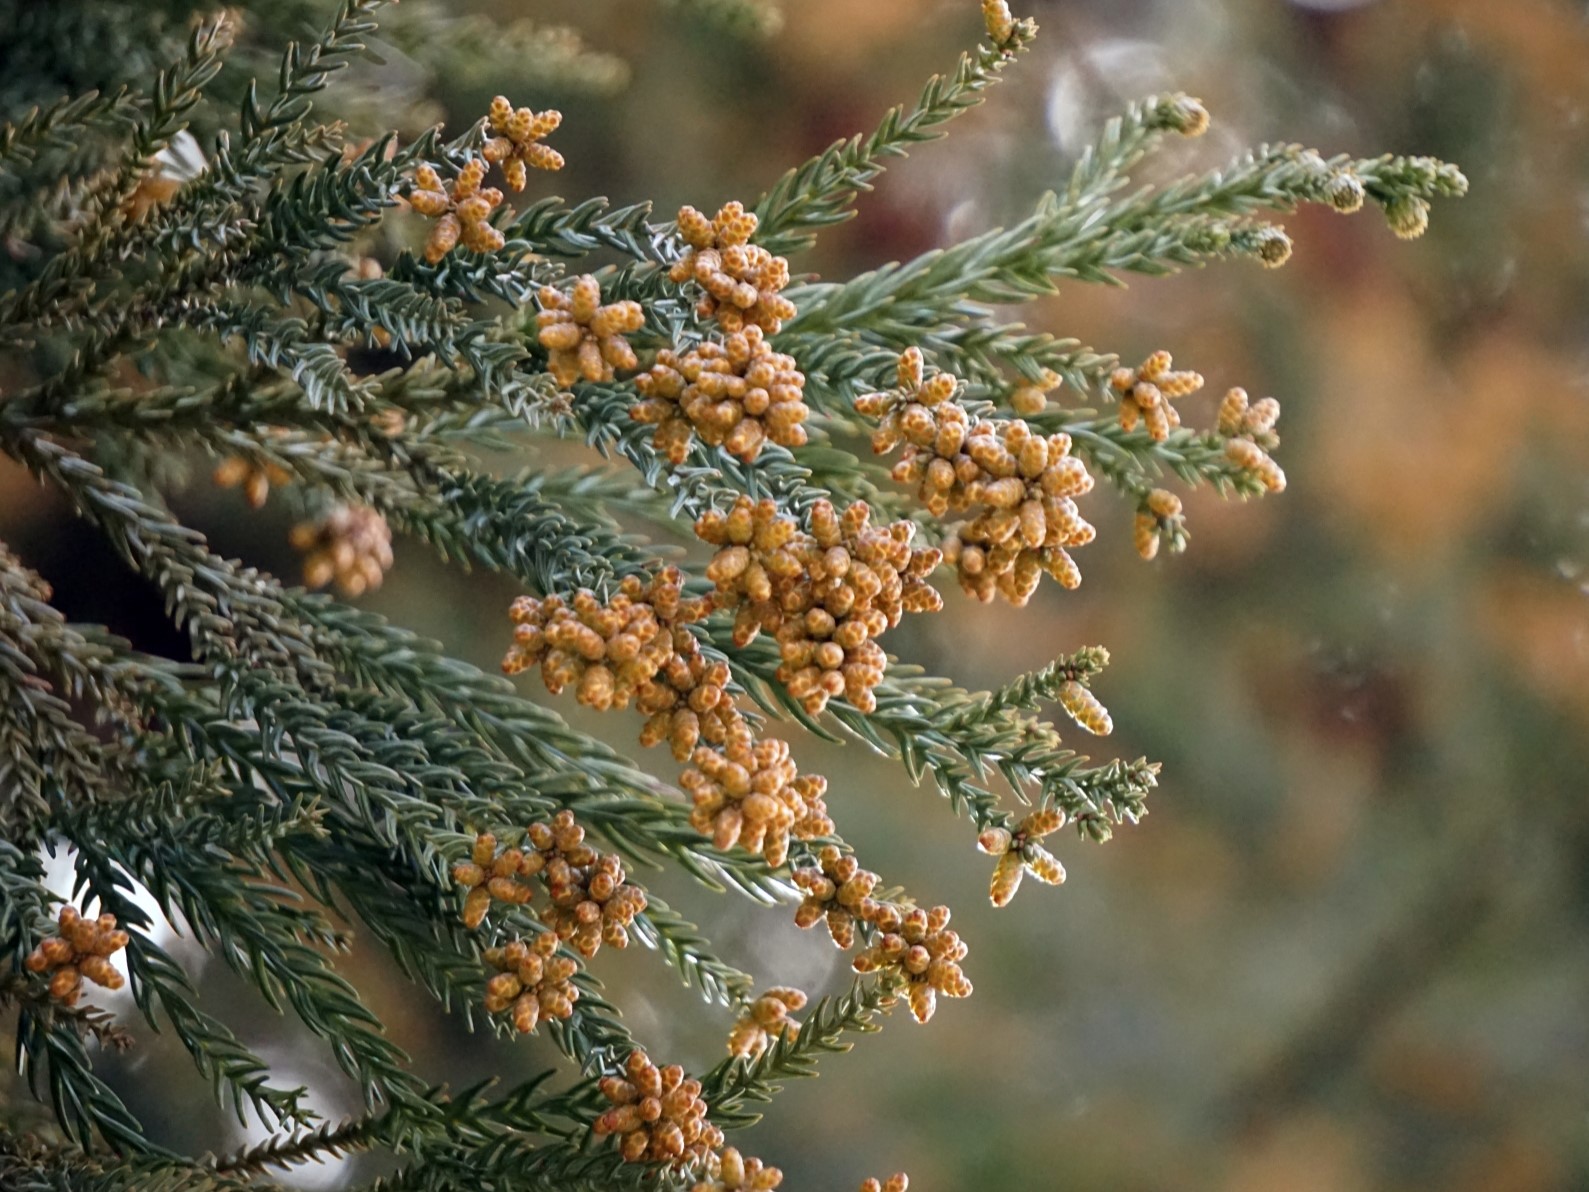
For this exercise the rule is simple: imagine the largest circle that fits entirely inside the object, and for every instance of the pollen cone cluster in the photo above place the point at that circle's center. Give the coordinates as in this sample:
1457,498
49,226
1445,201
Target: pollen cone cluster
738,395
494,875
919,947
826,594
1249,433
461,208
752,794
583,337
657,1114
516,145
591,903
1028,522
256,479
609,650
1146,393
80,948
687,701
898,1182
1020,484
838,892
1159,519
350,547
766,1019
1031,397
740,281
729,1171
533,982
1018,853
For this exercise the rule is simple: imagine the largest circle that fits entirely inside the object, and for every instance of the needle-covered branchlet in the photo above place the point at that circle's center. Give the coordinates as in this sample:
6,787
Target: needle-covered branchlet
461,208
765,1020
657,1114
350,547
1019,853
739,281
919,948
516,141
738,394
81,948
238,307
583,337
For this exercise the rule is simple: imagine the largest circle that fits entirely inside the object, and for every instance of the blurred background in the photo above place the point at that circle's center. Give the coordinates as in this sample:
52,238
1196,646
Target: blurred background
1347,950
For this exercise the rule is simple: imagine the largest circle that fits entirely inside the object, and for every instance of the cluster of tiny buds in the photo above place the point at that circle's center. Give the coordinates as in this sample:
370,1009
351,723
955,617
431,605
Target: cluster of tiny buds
898,1182
657,1113
729,1171
584,338
765,1020
80,948
255,478
634,648
1249,433
1030,397
591,903
461,208
609,649
1022,483
517,143
492,875
838,892
826,594
1019,853
740,281
918,947
688,702
351,547
750,793
738,394
533,983
1146,392
1159,519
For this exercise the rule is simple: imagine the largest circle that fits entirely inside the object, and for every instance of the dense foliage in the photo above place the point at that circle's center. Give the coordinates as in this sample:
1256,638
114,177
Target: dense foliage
206,266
